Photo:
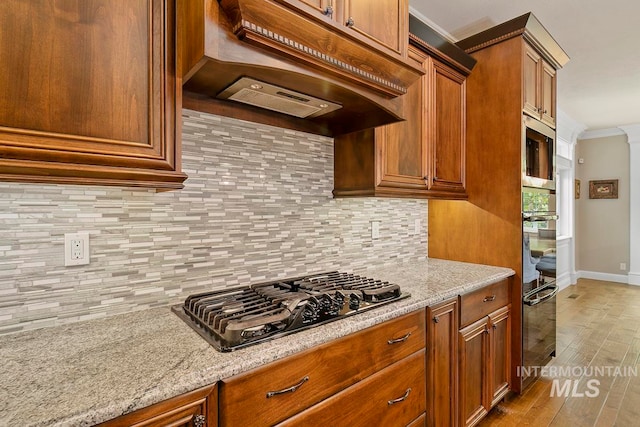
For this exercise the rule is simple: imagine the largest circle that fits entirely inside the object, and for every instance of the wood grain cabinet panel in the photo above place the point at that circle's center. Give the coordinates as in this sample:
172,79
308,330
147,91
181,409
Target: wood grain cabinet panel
384,22
394,396
89,93
198,408
473,369
484,365
539,87
422,157
500,356
442,367
479,303
447,129
304,379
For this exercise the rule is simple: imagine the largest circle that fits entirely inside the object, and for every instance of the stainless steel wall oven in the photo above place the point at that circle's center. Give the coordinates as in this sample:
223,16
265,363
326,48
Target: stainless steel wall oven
539,286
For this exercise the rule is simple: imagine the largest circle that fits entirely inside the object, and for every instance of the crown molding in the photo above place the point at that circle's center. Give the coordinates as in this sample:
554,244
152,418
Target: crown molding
431,24
568,129
633,133
601,133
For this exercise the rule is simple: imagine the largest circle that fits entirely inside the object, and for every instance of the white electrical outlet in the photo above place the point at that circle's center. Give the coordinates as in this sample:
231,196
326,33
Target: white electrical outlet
375,229
623,266
76,249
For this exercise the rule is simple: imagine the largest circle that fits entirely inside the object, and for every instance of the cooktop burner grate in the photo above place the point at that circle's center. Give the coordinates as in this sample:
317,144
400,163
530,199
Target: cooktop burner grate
234,318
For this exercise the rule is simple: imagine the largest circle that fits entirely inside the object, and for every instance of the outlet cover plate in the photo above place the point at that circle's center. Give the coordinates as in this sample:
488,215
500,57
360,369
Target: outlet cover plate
375,229
76,249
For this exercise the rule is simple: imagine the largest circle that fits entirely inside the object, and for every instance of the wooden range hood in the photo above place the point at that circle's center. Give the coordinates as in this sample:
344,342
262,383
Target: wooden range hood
281,43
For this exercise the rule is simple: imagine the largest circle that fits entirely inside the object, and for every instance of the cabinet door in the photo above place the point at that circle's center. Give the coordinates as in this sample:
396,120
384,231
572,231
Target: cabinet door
442,379
474,379
325,7
402,147
383,22
198,408
446,127
548,94
531,82
500,358
88,92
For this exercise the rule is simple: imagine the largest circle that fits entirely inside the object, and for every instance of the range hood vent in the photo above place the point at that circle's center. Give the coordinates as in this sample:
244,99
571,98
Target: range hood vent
303,60
274,98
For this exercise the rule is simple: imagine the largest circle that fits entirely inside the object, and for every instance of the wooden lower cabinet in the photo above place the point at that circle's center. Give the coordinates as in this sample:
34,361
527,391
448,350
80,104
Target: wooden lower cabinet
198,408
441,366
394,396
421,421
500,353
473,365
275,392
484,365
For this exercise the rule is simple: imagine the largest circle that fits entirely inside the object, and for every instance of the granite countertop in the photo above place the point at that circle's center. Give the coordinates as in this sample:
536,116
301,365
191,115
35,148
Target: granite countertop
88,372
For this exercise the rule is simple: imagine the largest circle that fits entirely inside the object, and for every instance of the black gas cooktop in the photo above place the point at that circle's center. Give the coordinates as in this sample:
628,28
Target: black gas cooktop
234,318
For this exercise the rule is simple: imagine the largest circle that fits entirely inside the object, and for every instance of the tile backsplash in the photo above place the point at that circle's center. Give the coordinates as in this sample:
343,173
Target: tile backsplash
257,206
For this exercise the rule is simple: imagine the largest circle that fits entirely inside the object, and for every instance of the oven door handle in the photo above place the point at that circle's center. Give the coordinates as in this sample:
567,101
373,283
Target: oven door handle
534,217
528,300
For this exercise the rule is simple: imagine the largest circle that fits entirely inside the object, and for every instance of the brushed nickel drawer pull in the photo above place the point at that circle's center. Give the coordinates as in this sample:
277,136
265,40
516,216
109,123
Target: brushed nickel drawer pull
489,299
401,398
289,389
402,339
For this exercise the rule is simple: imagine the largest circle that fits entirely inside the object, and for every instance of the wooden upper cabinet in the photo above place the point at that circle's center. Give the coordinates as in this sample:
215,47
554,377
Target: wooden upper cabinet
446,126
89,93
539,87
422,157
382,21
548,93
325,7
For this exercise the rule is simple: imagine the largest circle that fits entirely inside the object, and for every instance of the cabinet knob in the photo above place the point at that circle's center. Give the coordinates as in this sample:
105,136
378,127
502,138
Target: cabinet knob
350,22
199,421
436,319
494,327
328,11
545,112
489,298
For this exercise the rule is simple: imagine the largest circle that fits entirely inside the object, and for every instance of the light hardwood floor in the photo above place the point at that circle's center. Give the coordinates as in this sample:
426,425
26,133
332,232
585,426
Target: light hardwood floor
598,325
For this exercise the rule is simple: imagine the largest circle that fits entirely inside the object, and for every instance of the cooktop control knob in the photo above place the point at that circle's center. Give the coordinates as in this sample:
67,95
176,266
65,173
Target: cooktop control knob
354,301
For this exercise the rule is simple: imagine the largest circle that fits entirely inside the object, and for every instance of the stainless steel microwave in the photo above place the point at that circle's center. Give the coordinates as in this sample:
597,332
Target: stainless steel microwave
538,155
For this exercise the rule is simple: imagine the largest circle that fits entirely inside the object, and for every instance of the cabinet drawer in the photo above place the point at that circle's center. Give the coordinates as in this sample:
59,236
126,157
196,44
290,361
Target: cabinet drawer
483,301
421,421
322,371
393,396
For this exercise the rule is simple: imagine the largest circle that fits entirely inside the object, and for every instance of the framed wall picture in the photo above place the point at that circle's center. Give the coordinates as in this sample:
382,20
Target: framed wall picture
577,189
603,189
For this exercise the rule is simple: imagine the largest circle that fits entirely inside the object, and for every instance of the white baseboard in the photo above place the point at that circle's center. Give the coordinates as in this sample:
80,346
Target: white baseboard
634,278
595,275
563,281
